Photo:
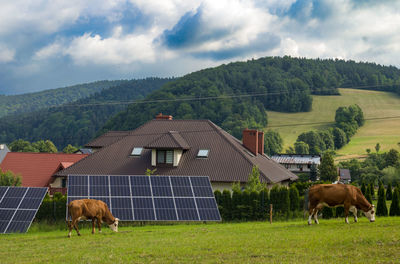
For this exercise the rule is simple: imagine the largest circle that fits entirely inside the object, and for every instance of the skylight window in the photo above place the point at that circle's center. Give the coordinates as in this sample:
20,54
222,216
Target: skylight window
203,153
136,151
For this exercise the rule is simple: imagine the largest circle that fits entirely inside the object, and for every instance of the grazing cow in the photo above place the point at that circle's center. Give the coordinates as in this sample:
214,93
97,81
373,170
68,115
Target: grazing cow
334,195
90,209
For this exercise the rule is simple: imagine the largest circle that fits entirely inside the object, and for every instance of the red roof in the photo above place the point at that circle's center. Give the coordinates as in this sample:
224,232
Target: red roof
36,169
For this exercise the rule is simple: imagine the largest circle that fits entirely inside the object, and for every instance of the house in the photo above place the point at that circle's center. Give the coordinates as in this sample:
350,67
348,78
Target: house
182,147
38,169
344,176
3,151
297,163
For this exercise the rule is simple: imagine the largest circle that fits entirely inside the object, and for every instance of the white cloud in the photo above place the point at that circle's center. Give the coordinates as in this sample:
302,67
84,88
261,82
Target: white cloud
127,49
349,29
6,54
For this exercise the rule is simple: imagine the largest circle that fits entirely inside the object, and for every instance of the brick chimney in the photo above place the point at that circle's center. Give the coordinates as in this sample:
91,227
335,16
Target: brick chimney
160,116
250,140
261,142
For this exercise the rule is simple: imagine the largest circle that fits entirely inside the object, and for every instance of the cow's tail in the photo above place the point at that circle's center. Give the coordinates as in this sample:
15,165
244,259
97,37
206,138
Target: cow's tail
306,200
68,219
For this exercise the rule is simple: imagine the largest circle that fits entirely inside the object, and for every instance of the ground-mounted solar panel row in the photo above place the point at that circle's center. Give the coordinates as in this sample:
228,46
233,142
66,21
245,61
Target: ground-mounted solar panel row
149,198
18,207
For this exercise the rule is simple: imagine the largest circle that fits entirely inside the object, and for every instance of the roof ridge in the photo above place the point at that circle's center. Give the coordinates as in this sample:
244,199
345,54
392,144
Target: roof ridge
42,153
219,131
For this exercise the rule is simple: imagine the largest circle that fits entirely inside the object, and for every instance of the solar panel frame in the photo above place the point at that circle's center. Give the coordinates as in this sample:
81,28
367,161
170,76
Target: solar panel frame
18,207
152,198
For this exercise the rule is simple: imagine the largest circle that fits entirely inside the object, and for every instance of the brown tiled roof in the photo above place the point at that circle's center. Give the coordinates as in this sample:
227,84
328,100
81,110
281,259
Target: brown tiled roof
228,160
107,139
36,169
170,140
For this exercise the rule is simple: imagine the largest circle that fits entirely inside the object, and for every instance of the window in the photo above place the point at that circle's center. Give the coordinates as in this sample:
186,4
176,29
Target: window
63,183
165,156
136,151
203,153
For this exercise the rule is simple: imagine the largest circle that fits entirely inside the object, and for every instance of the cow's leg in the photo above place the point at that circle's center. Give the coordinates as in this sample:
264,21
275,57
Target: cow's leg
346,213
93,223
310,214
316,215
75,224
353,209
99,224
69,223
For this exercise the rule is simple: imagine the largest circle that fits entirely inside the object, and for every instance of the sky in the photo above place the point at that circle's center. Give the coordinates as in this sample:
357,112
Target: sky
51,44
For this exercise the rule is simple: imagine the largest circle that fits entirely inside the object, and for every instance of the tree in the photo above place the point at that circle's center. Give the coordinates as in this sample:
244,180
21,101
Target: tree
45,146
377,147
339,137
301,147
21,145
395,206
392,158
8,178
70,149
313,172
363,189
313,140
327,168
272,142
389,193
254,184
381,209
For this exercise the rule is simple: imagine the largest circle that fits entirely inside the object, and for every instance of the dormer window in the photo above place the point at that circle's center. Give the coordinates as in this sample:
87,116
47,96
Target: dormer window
203,153
136,151
165,156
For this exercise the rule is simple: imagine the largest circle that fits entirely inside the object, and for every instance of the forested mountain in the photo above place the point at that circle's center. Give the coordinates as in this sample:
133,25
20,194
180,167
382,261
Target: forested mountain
242,91
76,123
10,104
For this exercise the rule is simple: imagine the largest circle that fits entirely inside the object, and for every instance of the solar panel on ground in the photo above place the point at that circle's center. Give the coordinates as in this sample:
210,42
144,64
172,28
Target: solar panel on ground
149,198
18,207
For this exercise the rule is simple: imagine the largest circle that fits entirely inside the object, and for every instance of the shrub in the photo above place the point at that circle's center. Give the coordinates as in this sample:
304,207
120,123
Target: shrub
381,208
294,198
395,206
226,204
389,192
327,212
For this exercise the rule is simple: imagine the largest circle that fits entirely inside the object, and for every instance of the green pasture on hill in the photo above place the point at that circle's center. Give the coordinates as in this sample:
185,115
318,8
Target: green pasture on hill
374,105
332,241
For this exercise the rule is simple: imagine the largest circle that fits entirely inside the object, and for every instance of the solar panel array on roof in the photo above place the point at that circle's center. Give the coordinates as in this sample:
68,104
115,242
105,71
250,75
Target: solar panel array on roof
149,198
18,207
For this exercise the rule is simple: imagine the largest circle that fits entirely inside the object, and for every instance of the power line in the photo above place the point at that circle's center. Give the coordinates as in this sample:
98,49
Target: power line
220,97
332,122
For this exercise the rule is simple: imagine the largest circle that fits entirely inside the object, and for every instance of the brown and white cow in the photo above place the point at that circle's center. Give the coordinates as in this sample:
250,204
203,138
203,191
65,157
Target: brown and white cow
90,209
334,195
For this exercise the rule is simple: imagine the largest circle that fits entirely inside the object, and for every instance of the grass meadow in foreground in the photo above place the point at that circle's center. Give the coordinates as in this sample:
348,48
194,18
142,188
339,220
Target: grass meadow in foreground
332,241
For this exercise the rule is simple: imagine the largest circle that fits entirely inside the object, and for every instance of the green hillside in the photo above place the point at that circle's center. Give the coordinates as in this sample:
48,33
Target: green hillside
76,123
242,91
12,104
374,104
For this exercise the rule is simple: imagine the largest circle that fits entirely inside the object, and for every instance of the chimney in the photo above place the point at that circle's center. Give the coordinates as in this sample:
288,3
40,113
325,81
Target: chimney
160,116
261,142
250,140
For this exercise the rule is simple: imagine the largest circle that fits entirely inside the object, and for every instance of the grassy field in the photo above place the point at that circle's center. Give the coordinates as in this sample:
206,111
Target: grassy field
374,105
332,241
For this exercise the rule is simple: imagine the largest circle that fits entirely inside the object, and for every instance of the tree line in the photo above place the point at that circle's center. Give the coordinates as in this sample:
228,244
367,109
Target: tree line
75,123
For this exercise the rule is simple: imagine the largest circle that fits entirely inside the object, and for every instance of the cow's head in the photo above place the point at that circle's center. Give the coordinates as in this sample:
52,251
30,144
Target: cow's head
114,226
370,214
